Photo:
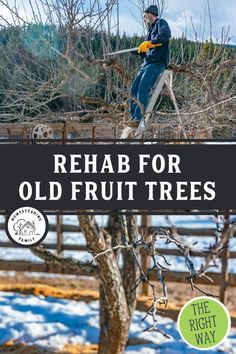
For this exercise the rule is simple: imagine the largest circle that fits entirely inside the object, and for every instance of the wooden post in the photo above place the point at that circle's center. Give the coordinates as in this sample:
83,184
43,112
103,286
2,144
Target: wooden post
224,276
93,133
145,261
59,230
64,133
24,133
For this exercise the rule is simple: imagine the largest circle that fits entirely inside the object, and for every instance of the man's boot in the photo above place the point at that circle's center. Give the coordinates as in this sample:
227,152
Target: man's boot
130,129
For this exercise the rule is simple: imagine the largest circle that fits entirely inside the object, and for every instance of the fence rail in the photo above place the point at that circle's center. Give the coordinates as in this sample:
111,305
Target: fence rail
27,266
208,232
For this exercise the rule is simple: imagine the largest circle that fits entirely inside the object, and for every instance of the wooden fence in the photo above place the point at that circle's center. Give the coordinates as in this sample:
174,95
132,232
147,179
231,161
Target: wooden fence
223,278
76,130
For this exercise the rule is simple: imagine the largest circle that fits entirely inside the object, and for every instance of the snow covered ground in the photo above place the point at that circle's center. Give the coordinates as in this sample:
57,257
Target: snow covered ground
177,263
52,323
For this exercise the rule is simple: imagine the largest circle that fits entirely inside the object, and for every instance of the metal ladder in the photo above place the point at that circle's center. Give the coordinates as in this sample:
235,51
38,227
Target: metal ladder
165,78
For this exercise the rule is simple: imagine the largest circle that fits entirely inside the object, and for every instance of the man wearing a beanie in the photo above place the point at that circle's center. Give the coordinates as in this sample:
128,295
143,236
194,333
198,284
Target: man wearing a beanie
155,51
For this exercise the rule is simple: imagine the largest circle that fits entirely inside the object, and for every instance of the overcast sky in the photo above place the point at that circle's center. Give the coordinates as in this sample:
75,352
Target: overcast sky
182,16
181,13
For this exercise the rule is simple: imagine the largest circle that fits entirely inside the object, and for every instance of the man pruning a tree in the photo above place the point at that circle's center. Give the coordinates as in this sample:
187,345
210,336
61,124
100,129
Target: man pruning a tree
155,51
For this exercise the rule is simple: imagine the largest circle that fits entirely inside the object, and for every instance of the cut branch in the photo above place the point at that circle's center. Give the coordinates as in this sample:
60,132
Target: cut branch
67,263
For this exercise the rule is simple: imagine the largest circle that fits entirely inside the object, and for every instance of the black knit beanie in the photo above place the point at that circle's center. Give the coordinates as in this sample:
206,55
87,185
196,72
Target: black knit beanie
153,9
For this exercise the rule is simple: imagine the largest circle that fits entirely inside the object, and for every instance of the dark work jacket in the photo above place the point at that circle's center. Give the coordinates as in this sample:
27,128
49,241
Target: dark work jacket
159,32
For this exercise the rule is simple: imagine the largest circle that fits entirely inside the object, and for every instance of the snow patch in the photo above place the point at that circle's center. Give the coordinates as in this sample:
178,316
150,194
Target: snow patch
52,323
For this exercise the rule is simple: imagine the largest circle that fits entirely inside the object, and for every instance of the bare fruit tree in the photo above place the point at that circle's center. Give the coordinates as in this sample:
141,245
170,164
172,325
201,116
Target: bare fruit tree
117,294
47,56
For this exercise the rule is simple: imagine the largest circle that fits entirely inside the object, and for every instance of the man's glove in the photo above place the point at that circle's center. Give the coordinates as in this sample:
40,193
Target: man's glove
145,46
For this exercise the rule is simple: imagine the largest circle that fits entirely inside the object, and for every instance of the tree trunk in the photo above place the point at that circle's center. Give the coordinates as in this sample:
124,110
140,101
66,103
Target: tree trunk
114,310
131,273
114,336
114,325
69,43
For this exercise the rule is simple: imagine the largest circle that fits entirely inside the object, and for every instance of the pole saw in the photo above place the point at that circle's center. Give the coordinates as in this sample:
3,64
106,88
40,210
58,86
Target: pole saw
130,50
123,51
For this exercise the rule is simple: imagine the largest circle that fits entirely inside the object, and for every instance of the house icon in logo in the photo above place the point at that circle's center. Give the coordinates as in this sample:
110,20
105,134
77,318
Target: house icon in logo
25,228
28,229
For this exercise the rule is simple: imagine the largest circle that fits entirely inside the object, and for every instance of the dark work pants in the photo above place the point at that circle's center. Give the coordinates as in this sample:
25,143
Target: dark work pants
141,88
